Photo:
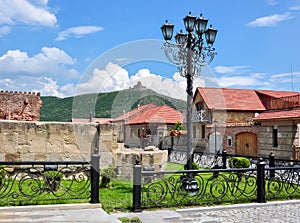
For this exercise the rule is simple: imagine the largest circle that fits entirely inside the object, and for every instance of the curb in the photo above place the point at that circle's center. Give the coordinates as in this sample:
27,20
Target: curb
50,207
237,206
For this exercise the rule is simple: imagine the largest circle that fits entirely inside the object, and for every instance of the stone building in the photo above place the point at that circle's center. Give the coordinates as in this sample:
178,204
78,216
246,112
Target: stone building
281,121
245,122
20,106
146,125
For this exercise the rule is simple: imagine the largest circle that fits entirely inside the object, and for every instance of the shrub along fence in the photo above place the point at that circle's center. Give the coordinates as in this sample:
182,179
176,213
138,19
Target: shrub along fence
201,187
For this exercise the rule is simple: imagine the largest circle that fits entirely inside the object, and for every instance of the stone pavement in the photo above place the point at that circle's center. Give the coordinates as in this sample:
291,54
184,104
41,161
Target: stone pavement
55,213
271,212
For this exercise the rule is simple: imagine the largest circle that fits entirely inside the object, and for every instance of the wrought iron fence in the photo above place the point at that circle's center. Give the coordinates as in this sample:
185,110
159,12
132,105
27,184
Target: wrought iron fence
199,187
37,182
283,182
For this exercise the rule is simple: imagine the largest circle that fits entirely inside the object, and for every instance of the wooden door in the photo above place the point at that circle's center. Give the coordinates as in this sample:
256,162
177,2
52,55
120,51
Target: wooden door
246,144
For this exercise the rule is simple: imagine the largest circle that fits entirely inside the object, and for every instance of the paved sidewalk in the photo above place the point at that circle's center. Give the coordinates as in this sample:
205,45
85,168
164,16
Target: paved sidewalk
271,212
55,213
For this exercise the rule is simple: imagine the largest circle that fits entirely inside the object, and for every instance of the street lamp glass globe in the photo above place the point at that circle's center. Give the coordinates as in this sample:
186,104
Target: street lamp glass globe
210,35
167,31
189,22
200,25
180,37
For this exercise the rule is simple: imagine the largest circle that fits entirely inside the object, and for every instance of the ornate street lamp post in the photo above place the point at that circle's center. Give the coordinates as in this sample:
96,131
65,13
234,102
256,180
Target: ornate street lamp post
215,124
189,53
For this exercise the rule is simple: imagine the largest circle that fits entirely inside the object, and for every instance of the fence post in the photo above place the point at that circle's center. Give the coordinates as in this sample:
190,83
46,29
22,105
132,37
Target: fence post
95,170
224,159
137,181
261,182
272,164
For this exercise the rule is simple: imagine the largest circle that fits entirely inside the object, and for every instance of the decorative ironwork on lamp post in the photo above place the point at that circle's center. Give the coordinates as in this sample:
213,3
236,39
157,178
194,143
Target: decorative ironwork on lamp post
190,53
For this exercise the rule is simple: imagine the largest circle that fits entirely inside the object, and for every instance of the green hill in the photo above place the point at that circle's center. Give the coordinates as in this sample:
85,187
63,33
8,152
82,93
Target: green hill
102,105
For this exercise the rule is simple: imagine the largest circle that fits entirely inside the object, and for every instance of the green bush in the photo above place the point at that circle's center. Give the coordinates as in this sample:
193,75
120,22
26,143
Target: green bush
239,162
195,166
106,176
128,220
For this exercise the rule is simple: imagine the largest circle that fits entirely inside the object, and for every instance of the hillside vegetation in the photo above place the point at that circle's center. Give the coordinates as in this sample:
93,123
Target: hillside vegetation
102,105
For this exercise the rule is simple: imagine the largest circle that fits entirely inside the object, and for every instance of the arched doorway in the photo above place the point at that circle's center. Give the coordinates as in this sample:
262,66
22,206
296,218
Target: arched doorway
246,143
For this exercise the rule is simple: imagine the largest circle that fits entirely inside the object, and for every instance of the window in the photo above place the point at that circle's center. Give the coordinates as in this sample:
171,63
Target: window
275,138
194,132
131,133
200,106
229,141
202,131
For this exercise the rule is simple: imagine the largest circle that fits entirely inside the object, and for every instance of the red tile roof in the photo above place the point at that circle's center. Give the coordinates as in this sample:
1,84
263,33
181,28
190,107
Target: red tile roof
160,114
231,99
134,112
283,114
277,94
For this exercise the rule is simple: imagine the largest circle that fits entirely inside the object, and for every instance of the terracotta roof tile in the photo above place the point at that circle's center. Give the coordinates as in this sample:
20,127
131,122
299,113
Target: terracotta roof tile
231,99
283,114
133,113
159,114
277,94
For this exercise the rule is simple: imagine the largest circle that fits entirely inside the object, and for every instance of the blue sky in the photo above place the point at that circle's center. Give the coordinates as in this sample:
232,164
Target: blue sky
62,48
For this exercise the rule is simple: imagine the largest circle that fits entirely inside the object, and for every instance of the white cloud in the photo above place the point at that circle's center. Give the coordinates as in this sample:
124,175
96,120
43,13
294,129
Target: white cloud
114,78
174,87
4,30
77,32
25,12
44,85
47,86
228,81
295,8
272,2
41,2
285,77
271,20
40,72
50,61
231,70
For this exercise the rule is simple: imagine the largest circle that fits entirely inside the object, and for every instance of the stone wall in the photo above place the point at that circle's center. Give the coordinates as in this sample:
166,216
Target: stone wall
54,141
20,106
59,141
151,159
287,137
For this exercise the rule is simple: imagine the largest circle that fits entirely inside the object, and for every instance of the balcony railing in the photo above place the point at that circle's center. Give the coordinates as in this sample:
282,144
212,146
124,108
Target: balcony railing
202,116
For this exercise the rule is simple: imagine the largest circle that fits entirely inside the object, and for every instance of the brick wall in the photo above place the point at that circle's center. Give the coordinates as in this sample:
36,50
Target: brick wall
20,106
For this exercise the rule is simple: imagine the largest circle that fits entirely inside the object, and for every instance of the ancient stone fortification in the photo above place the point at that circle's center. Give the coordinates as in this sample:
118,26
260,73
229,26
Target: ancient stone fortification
58,141
20,106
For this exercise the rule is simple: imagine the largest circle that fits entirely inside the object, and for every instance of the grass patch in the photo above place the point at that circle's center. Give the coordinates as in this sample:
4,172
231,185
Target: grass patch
174,166
117,197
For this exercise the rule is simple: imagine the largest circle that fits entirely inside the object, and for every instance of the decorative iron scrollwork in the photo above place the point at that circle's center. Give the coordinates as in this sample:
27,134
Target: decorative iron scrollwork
32,184
211,188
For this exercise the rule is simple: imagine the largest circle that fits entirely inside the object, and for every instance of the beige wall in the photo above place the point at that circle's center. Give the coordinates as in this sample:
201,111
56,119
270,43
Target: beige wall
54,141
66,141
